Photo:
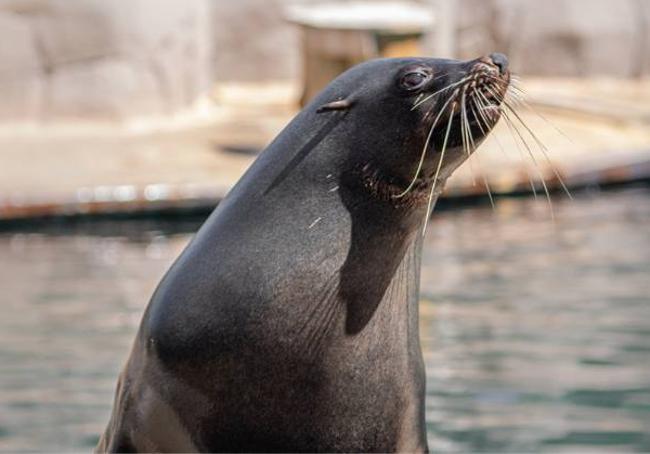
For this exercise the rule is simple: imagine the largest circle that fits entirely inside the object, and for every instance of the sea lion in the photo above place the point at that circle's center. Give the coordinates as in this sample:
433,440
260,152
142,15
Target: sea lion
290,322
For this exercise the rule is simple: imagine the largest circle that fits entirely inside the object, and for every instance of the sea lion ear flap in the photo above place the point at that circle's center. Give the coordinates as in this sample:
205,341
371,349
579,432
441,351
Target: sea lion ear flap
341,104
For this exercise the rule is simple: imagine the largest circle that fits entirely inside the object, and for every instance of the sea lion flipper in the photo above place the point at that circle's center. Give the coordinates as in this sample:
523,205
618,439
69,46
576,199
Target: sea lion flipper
341,104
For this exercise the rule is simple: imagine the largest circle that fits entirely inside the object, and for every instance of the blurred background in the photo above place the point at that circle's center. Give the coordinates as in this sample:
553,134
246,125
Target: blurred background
122,125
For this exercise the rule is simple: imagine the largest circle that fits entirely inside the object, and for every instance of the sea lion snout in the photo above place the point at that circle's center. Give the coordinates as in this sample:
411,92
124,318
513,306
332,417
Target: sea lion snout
500,61
496,63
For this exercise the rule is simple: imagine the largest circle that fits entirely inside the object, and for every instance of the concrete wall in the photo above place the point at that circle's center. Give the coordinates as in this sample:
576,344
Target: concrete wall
252,41
117,59
543,37
102,59
560,37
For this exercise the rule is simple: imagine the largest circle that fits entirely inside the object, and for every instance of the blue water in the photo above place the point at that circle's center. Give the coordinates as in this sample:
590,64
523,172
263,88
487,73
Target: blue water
536,334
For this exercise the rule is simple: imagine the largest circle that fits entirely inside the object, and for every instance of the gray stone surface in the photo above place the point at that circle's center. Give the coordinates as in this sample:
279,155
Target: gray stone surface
113,88
20,87
543,37
253,42
118,59
561,37
102,59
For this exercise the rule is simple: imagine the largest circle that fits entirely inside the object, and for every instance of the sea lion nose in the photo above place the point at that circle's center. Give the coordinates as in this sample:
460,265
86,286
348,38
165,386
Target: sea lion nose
500,61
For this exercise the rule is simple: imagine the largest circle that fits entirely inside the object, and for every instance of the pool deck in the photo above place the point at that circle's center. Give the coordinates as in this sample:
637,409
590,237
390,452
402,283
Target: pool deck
596,132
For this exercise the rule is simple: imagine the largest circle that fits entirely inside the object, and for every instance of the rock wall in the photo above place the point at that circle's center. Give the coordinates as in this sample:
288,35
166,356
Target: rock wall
102,59
560,37
252,41
542,37
118,59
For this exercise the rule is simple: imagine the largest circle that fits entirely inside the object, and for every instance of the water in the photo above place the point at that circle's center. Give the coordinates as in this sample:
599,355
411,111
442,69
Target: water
536,336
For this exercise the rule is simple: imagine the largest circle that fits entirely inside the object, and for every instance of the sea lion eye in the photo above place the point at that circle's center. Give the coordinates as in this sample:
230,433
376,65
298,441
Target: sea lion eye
414,80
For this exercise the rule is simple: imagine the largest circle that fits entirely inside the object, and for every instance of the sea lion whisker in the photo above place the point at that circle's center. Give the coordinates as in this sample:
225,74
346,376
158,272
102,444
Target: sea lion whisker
486,106
481,108
483,102
470,137
419,97
435,178
519,96
512,78
424,149
441,76
512,127
455,84
542,148
522,157
503,151
514,93
517,90
522,100
464,126
452,85
521,154
513,98
479,123
478,120
515,82
498,97
501,90
498,81
486,184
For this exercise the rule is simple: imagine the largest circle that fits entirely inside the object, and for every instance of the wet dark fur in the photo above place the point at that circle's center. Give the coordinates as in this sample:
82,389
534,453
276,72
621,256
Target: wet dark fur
290,323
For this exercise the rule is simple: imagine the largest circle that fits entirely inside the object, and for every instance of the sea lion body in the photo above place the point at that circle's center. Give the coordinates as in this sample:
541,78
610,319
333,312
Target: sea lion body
290,322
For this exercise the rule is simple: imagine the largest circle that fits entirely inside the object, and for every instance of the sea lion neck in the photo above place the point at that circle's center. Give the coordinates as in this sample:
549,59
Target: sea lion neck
384,232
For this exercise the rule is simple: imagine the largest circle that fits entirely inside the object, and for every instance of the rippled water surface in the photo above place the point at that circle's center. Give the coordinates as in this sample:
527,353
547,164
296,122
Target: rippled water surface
536,335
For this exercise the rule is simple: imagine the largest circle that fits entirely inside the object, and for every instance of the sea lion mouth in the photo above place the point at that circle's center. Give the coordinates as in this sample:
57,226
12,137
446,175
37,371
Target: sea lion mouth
486,88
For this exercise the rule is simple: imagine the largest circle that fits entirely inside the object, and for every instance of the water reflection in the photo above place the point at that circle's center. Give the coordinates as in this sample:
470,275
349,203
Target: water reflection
536,335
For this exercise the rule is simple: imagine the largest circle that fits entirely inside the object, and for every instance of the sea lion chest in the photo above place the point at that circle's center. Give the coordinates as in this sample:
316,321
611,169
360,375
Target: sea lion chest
299,326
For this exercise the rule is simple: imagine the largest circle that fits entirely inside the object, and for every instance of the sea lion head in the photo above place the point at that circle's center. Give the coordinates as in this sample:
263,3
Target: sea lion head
415,119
